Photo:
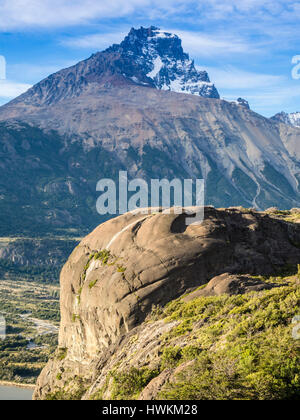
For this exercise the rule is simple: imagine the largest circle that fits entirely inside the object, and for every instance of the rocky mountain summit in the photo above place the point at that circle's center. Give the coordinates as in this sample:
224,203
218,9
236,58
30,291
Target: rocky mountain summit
292,119
147,57
242,102
129,268
164,62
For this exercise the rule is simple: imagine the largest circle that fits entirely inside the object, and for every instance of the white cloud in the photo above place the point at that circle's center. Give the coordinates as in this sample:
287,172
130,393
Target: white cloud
10,89
205,45
54,13
49,13
279,96
95,41
266,93
16,14
196,43
249,8
232,78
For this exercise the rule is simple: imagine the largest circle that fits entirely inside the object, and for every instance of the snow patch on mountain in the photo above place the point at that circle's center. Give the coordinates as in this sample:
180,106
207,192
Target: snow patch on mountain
160,34
295,119
157,65
164,63
290,119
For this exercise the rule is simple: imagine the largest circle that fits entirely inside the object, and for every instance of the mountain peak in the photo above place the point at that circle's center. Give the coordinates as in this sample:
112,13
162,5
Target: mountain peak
140,39
151,32
289,119
165,65
147,57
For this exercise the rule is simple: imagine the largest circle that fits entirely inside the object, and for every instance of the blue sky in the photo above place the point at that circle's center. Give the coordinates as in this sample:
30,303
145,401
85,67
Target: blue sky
247,46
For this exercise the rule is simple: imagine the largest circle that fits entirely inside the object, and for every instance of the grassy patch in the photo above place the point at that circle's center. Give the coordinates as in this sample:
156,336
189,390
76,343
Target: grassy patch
62,353
92,284
66,394
103,256
239,347
242,346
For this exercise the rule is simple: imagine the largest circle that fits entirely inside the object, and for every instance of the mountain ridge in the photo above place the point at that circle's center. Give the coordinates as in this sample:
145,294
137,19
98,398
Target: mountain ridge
94,126
131,62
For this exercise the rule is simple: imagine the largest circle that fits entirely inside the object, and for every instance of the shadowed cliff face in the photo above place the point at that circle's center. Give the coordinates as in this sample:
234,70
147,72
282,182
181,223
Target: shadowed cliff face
127,265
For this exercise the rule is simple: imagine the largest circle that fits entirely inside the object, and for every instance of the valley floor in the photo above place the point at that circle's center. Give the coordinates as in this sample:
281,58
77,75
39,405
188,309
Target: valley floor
31,312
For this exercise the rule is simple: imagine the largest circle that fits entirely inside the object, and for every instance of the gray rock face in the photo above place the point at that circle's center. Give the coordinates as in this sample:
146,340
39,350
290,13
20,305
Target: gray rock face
118,272
230,284
243,102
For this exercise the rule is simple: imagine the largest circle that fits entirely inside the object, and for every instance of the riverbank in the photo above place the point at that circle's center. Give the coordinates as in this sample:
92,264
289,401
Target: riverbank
17,385
15,392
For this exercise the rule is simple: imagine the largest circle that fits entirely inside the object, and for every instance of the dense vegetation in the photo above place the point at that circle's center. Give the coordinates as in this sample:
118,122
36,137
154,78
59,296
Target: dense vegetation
46,274
34,259
227,347
244,349
47,187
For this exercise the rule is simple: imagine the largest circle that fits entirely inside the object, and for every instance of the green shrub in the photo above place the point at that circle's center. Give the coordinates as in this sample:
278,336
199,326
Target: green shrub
191,352
75,317
171,357
246,348
62,395
206,379
128,385
103,256
92,284
62,353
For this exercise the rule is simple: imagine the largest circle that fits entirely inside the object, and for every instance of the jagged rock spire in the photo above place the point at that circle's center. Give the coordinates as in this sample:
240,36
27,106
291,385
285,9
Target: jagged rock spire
165,65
